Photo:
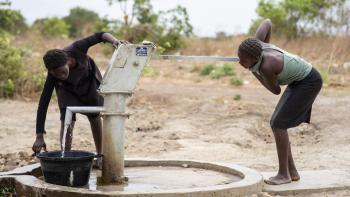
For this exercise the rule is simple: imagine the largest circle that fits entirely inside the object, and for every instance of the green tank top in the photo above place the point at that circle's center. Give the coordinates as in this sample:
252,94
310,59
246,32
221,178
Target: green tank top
294,67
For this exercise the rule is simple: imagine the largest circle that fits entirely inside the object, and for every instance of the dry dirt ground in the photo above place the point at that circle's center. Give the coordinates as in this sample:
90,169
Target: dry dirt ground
188,117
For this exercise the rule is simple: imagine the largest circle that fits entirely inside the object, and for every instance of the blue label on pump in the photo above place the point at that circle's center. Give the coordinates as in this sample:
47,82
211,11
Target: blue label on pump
141,51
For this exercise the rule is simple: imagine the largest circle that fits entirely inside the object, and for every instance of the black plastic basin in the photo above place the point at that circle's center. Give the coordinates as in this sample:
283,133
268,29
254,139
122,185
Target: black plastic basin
71,170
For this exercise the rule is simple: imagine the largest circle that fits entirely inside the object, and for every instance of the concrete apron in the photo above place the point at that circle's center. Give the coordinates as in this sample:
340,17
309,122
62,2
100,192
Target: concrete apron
311,182
25,182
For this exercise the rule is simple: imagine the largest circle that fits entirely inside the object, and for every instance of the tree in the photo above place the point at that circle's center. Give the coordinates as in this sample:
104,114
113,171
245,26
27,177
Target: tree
11,60
52,27
221,35
83,22
11,20
143,11
5,3
167,29
296,17
344,16
177,26
124,8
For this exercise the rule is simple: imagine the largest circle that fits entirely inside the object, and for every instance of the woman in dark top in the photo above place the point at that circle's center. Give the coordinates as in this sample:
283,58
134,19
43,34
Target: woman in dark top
75,77
274,67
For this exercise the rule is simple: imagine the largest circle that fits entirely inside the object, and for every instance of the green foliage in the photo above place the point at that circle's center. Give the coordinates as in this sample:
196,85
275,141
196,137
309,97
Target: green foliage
325,75
278,16
82,22
144,13
140,32
8,88
207,69
296,17
225,70
38,80
228,69
52,27
160,49
237,97
12,21
105,25
10,66
150,72
217,72
166,29
176,26
236,81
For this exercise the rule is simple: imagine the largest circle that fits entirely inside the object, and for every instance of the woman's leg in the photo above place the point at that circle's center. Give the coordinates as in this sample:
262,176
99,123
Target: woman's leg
283,148
292,169
69,136
96,128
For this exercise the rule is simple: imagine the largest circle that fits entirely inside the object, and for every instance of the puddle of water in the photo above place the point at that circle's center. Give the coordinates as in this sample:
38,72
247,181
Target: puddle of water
148,179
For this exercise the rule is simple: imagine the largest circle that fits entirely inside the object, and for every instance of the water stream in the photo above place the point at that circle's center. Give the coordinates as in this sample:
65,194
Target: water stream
63,145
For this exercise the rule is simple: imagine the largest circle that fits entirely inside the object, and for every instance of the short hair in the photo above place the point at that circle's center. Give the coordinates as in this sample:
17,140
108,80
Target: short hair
55,58
251,47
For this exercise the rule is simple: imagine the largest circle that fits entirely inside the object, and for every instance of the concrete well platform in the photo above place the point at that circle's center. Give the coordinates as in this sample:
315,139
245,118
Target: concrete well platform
311,182
156,178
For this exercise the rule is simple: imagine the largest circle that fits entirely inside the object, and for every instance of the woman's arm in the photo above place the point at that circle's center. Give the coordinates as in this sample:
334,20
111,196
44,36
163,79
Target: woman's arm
272,85
107,37
269,79
41,114
84,44
269,84
261,80
263,33
44,104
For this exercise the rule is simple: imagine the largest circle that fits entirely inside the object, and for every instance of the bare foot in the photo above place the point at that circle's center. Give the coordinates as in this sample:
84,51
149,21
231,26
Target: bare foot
294,175
278,180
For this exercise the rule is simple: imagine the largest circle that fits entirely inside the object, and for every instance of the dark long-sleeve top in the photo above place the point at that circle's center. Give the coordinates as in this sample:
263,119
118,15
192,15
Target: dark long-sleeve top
80,87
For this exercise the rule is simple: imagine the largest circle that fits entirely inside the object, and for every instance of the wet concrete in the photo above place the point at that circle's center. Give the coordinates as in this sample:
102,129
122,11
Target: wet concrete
153,178
164,178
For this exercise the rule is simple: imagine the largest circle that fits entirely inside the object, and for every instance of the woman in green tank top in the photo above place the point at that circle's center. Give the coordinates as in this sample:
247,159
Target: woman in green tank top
274,67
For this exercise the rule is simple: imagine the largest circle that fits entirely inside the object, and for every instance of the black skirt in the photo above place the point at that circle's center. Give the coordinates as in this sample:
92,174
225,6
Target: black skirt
295,105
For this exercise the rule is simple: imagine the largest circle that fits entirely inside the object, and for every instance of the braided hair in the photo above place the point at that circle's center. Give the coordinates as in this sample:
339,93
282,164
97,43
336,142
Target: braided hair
55,58
251,47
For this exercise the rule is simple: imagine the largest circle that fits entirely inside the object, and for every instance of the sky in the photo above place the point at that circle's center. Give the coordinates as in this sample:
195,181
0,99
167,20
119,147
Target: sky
206,16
